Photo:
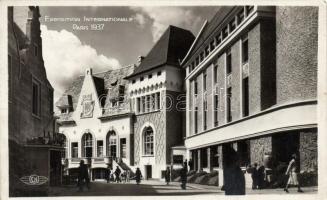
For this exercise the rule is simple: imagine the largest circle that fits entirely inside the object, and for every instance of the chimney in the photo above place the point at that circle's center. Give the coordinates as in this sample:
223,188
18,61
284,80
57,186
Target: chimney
140,59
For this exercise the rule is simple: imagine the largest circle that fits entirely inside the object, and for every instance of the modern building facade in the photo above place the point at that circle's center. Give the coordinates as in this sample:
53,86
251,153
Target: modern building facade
33,145
96,118
155,89
251,83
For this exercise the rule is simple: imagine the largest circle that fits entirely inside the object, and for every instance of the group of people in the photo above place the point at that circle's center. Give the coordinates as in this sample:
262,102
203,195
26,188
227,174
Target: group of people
257,175
117,176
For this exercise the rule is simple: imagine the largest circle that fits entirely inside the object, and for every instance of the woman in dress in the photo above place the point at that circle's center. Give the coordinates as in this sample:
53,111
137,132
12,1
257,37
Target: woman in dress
292,172
138,176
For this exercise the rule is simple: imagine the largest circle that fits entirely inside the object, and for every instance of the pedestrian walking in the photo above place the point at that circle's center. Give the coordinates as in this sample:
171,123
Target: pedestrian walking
167,175
254,176
138,176
292,172
117,174
234,180
83,176
128,175
107,174
183,175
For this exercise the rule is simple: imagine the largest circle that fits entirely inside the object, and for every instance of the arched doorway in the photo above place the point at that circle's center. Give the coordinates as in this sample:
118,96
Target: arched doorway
112,144
87,145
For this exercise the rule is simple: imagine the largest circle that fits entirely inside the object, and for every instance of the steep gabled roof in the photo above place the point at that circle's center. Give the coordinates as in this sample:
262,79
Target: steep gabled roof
209,29
169,49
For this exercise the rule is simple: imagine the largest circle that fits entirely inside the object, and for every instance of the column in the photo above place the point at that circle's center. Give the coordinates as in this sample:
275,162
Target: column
209,159
220,169
199,160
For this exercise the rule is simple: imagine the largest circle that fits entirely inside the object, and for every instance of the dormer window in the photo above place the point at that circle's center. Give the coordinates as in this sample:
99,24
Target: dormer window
159,73
141,78
150,76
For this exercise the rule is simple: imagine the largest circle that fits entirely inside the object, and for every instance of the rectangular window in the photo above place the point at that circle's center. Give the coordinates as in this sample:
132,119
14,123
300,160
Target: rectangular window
133,81
212,45
193,66
245,97
74,150
207,51
229,62
148,103
143,104
201,56
35,97
218,39
158,101
197,61
196,120
232,25
205,109
150,76
240,16
229,106
159,73
141,78
123,147
195,87
99,148
245,50
249,9
215,73
153,101
216,107
224,32
205,81
138,104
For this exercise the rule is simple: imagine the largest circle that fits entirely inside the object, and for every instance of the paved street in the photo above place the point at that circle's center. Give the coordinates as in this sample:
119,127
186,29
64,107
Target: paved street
154,187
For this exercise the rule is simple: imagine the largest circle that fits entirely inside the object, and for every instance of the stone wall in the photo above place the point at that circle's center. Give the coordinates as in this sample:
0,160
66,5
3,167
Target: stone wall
296,53
258,148
308,150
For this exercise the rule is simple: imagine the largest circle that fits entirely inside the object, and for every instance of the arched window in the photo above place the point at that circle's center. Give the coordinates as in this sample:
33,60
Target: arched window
87,145
112,144
148,141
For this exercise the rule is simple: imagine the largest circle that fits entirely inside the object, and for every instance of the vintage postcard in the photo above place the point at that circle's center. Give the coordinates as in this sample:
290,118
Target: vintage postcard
183,99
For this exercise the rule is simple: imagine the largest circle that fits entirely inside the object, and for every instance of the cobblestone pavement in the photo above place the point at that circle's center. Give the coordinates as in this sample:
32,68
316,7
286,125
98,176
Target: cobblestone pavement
154,187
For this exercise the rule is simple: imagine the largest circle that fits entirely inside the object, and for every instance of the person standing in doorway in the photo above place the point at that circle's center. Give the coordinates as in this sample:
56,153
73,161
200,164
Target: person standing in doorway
83,175
292,172
138,176
167,175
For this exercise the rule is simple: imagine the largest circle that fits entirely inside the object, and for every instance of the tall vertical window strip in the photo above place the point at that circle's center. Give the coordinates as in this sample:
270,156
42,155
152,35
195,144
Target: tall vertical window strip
205,80
138,104
143,104
215,73
195,87
229,62
195,120
245,50
245,97
229,106
158,101
99,148
216,107
35,98
205,114
148,141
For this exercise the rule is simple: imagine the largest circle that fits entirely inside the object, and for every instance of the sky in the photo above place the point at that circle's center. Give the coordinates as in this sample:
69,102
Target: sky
67,51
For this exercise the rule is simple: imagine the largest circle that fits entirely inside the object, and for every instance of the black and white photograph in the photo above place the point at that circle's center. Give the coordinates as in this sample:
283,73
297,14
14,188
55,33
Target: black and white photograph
168,100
